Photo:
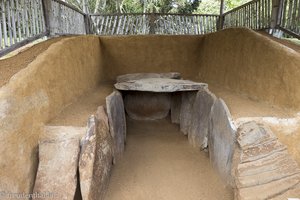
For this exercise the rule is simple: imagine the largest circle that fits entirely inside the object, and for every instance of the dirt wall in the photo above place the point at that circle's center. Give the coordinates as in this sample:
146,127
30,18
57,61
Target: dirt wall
132,54
249,63
35,95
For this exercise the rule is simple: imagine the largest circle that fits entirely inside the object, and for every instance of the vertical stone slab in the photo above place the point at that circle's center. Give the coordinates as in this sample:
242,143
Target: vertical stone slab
58,162
117,123
221,140
187,103
200,118
176,107
95,161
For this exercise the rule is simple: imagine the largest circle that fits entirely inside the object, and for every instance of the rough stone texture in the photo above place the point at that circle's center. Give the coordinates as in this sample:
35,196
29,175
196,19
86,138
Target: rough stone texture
199,125
117,123
176,107
95,161
137,76
160,85
221,140
187,102
58,161
147,105
264,169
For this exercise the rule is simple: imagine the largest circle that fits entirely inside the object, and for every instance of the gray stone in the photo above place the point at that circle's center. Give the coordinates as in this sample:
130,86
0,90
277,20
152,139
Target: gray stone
265,170
137,76
95,161
176,107
147,105
221,140
160,85
117,123
186,110
199,126
59,148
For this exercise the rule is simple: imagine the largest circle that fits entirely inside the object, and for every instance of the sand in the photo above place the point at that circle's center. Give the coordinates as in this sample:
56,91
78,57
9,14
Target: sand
159,163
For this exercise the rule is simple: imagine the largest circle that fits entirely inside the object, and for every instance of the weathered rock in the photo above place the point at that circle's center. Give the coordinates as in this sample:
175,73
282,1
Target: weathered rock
95,161
187,102
199,125
160,85
147,105
176,107
117,123
137,76
221,139
58,161
265,169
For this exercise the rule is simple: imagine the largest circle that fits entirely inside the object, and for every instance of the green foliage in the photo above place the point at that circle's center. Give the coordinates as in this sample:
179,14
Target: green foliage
159,6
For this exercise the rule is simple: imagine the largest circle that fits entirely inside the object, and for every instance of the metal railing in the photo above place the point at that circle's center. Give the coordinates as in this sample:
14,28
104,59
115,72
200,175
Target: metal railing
153,23
254,15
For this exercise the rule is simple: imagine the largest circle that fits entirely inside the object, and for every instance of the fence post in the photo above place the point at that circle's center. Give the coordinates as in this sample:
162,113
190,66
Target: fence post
275,15
87,22
220,23
152,23
46,9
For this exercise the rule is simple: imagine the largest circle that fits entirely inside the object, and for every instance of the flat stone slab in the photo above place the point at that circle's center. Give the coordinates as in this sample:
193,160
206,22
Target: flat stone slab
160,85
265,170
198,130
95,161
137,76
117,123
221,139
59,149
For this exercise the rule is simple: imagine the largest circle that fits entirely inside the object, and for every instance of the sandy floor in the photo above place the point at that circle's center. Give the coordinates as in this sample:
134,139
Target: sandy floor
159,163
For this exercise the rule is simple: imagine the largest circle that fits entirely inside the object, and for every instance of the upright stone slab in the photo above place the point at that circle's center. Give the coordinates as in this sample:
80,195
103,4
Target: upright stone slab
117,123
264,169
186,110
199,126
59,150
221,140
137,76
176,107
95,161
147,105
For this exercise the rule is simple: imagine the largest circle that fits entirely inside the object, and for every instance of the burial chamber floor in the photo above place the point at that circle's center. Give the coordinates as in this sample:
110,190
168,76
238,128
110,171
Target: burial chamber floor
159,163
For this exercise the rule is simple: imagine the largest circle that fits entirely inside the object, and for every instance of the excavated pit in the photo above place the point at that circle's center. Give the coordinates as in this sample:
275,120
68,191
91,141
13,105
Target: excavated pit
56,91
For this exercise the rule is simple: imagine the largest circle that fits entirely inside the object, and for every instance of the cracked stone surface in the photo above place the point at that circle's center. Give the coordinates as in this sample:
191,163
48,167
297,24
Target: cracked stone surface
95,161
199,126
59,148
117,123
265,170
221,140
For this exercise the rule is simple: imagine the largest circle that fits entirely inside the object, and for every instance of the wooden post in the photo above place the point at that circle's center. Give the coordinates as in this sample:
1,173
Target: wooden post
220,23
276,15
46,9
152,23
87,22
